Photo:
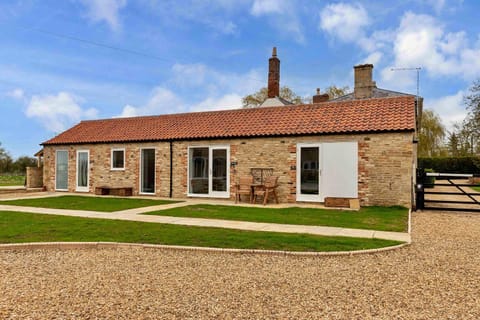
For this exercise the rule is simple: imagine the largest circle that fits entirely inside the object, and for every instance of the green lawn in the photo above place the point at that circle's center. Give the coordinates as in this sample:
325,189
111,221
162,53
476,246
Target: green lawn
17,227
376,218
476,188
11,180
87,203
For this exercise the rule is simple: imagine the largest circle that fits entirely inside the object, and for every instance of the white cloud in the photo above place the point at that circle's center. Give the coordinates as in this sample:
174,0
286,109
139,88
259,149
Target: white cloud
17,94
421,41
189,74
450,108
400,80
228,101
282,15
453,43
437,5
219,91
162,101
57,112
214,14
261,7
373,58
128,111
344,21
214,81
105,10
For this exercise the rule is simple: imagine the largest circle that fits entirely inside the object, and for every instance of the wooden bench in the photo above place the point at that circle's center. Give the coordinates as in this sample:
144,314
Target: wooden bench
112,191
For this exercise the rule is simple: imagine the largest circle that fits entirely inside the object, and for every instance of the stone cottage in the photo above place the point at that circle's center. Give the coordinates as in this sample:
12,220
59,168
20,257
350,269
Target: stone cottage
362,145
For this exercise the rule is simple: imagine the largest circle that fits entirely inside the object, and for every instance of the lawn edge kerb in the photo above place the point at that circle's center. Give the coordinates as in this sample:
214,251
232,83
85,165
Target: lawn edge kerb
114,245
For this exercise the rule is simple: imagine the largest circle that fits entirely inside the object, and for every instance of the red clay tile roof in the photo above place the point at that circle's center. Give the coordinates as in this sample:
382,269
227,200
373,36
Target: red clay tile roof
369,115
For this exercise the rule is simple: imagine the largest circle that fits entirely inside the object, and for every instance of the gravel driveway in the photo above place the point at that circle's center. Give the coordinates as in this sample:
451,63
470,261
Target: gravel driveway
437,277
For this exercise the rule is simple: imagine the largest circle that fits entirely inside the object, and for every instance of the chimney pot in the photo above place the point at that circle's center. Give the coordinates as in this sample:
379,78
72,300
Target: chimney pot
318,98
274,52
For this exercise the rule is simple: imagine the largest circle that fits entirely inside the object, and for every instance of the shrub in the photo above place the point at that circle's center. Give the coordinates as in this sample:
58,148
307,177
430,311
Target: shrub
451,164
429,181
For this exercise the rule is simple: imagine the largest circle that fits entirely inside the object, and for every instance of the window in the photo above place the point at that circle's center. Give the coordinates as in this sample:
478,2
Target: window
61,170
118,159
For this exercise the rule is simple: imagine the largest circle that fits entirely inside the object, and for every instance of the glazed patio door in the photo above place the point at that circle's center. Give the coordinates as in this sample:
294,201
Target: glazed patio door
61,170
147,171
208,169
308,172
219,172
82,171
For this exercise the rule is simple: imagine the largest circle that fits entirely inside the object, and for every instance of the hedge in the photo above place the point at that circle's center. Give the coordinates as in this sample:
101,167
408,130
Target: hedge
451,164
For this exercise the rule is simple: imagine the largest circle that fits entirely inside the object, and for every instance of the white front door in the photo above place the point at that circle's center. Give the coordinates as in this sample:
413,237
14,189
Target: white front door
209,171
83,170
327,170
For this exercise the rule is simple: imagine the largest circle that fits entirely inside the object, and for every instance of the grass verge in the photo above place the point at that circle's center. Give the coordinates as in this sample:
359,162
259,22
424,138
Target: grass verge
12,180
18,227
87,203
375,218
476,188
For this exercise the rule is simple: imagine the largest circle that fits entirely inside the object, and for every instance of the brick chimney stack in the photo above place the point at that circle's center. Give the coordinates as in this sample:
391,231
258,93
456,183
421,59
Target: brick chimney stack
318,98
363,81
273,75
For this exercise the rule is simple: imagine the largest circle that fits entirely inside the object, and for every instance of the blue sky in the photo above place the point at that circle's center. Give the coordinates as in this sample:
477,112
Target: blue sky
206,55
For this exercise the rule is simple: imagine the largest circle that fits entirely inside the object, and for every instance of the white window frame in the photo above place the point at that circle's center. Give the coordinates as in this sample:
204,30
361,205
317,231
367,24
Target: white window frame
111,159
140,181
81,188
211,193
56,157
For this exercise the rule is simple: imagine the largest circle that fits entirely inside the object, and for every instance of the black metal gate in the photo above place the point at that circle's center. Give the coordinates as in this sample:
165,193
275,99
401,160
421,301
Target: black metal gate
446,192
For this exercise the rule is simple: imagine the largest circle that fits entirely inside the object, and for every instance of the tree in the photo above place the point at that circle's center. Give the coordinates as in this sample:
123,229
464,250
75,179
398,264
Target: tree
471,124
465,138
256,99
453,145
5,160
20,165
431,135
335,92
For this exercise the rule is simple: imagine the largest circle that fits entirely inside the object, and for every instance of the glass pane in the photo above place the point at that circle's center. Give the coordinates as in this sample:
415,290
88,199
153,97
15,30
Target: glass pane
309,170
82,169
61,178
219,170
148,170
198,166
117,159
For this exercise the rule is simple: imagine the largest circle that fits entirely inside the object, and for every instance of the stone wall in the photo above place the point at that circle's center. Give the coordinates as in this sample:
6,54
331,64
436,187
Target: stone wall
385,164
34,177
100,172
